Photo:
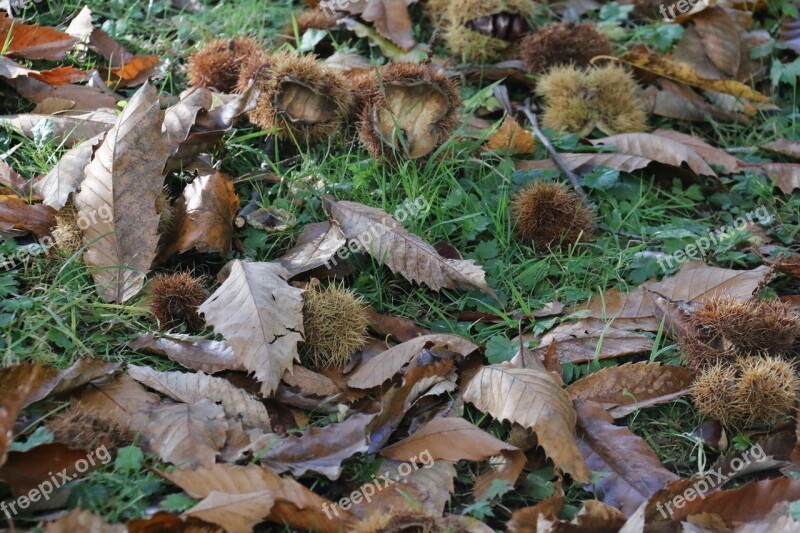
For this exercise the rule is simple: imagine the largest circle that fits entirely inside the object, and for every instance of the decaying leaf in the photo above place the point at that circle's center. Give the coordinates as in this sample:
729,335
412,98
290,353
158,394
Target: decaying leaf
390,18
319,450
261,317
203,215
295,505
532,399
68,174
577,342
197,354
32,41
82,520
123,182
11,179
121,401
185,434
315,247
385,365
18,217
657,148
237,513
192,387
388,241
15,386
67,129
51,381
593,517
632,469
511,138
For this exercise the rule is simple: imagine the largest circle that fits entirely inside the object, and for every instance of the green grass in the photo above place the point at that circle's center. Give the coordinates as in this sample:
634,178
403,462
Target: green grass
50,312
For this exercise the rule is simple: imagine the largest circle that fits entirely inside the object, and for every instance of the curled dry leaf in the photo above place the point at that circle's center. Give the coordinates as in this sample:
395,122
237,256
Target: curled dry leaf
181,117
511,138
18,217
577,342
641,58
51,381
203,215
319,449
389,242
657,148
190,435
67,129
785,147
633,471
390,18
385,365
205,355
237,513
632,386
67,175
10,69
261,317
32,41
295,505
89,97
315,247
192,387
11,179
124,179
532,399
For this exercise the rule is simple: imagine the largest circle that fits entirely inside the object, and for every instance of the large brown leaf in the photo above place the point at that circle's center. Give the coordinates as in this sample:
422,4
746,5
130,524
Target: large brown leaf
658,148
315,247
319,449
389,242
237,513
32,41
632,469
295,505
577,342
385,365
15,386
68,130
532,399
719,34
121,401
261,317
632,385
187,434
51,381
192,387
125,178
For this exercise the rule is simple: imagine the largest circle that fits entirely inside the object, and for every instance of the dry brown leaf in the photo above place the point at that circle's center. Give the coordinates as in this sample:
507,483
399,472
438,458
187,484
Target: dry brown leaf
51,381
67,129
261,317
694,281
15,386
719,34
641,58
390,18
181,117
18,217
524,519
401,328
577,341
82,520
532,399
511,138
237,513
390,243
24,471
633,471
295,505
658,148
319,449
135,70
311,382
11,179
709,153
315,247
632,385
189,435
10,69
785,147
89,97
32,41
785,175
125,178
190,388
67,175
60,75
385,365
205,355
594,517
622,162
203,215
122,401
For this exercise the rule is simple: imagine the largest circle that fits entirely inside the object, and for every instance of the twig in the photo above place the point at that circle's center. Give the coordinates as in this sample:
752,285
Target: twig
573,178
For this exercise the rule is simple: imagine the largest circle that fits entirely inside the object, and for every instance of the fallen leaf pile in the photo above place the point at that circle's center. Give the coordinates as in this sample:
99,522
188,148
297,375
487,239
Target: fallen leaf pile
242,412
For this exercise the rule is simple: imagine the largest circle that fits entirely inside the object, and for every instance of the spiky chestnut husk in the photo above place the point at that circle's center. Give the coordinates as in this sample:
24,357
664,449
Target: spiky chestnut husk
698,352
748,327
566,101
398,520
67,236
616,97
300,98
474,46
164,210
549,214
563,44
410,100
577,101
218,63
767,387
174,299
87,430
335,324
715,394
